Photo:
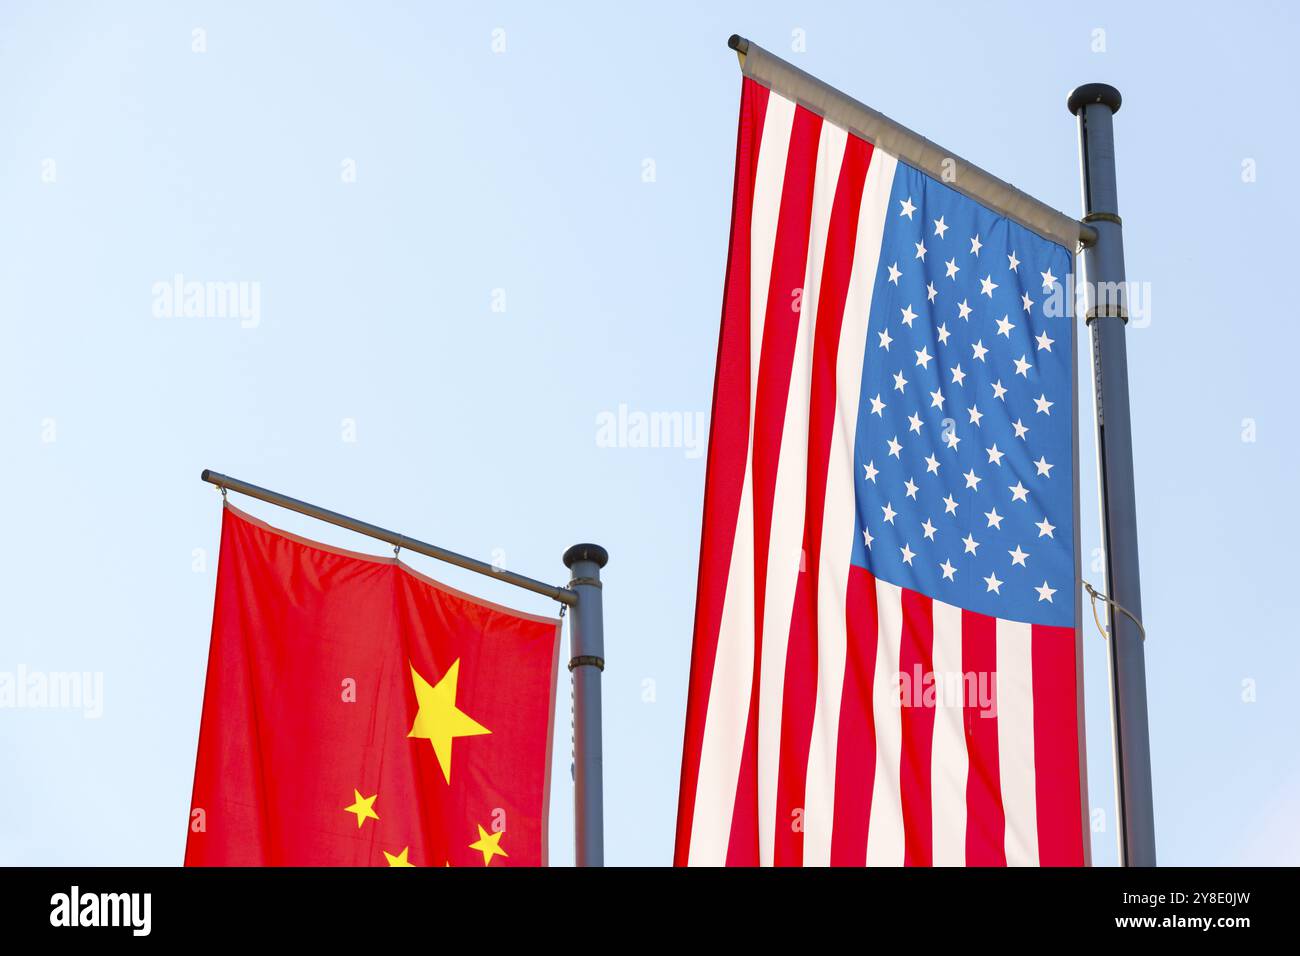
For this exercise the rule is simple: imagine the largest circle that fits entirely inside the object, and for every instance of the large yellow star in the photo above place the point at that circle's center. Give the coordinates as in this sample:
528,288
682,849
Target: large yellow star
400,859
489,844
364,808
438,719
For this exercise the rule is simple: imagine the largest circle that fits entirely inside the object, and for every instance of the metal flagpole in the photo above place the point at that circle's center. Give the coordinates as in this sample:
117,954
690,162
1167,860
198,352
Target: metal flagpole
587,647
1095,104
586,643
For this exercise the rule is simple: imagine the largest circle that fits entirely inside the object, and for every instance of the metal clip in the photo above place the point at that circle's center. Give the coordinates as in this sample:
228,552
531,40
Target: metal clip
1095,594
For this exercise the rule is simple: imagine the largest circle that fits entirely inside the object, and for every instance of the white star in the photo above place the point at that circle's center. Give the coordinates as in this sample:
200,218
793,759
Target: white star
943,334
932,464
871,470
976,245
1045,593
899,382
995,519
995,456
908,208
975,414
877,406
867,538
923,357
949,505
993,583
1018,557
1021,429
914,423
1005,325
885,339
928,529
1049,280
1012,261
894,273
1043,404
908,554
1026,302
951,440
987,285
953,268
999,390
1045,528
940,227
963,310
972,480
1044,467
1044,343
930,291
920,251
910,488
970,542
1019,492
908,316
890,514
958,376
948,570
895,447
936,399
979,350
1022,366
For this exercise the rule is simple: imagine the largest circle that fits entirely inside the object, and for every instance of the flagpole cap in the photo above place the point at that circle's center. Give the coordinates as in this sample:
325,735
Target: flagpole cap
738,43
1091,93
586,552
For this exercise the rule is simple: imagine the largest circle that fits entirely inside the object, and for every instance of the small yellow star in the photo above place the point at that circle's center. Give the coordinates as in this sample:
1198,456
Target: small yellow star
438,719
400,859
489,844
364,808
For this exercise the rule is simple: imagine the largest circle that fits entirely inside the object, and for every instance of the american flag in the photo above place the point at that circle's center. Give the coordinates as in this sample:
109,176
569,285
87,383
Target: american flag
886,656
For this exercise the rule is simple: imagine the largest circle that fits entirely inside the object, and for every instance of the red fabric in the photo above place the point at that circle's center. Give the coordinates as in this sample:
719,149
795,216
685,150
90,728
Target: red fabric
310,699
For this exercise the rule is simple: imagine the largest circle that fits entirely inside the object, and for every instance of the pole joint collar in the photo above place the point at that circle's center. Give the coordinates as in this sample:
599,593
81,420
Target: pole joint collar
587,660
1106,312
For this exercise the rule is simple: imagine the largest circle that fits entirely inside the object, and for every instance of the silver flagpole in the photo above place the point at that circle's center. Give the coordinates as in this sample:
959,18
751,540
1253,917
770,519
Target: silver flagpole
587,647
1095,104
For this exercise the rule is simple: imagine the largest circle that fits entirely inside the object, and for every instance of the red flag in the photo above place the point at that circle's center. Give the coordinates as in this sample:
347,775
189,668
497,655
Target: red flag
358,713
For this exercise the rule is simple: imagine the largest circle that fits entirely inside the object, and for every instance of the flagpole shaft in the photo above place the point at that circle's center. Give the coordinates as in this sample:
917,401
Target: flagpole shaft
563,595
587,661
1095,105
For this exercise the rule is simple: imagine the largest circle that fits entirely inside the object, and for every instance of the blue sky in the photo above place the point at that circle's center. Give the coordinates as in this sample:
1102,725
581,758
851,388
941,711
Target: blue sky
534,236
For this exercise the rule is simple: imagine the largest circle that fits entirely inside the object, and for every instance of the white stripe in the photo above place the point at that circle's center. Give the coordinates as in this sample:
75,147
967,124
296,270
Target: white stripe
727,713
839,524
785,559
885,844
1015,697
948,761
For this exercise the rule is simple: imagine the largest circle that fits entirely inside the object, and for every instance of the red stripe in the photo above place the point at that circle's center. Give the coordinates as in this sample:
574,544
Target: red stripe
985,820
728,447
916,663
780,329
1056,747
800,687
855,760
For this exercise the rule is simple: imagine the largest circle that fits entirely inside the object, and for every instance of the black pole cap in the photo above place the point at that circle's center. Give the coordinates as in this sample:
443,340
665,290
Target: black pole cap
1091,93
738,43
586,552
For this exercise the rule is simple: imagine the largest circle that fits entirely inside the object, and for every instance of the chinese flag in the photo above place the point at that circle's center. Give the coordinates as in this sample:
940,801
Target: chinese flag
358,713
